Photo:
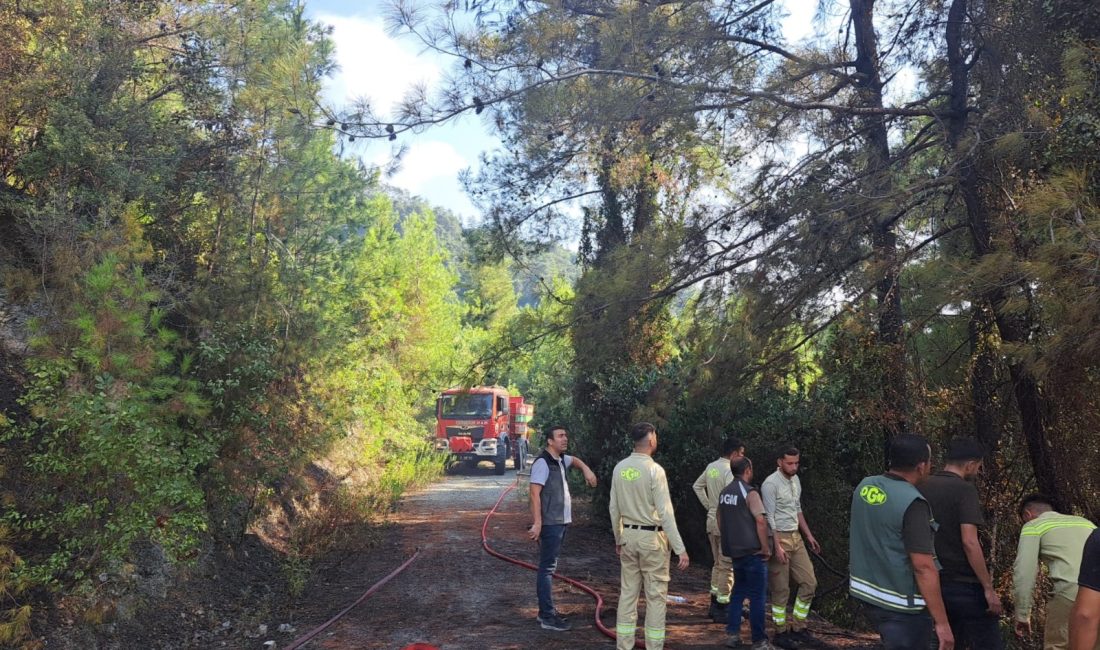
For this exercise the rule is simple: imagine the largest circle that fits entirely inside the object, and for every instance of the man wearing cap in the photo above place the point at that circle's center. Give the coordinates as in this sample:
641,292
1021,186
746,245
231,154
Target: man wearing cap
645,527
973,606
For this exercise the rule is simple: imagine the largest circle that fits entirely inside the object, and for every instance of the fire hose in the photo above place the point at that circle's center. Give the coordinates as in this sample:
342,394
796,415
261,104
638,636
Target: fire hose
828,567
576,583
302,640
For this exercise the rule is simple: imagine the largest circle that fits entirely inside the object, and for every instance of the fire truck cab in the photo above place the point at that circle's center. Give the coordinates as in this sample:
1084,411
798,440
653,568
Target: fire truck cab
477,423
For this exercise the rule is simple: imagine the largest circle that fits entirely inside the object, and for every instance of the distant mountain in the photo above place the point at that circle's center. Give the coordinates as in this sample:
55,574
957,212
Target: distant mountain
527,275
448,227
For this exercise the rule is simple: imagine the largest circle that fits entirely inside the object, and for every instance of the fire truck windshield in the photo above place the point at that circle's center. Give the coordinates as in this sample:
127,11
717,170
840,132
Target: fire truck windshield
466,405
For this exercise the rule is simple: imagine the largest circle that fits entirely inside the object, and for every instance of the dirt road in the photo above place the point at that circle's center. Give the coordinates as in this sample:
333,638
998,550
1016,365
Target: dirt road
455,595
458,597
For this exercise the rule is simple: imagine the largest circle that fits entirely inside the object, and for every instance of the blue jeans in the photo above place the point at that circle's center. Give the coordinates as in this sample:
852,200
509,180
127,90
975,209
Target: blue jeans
900,631
550,538
750,580
971,623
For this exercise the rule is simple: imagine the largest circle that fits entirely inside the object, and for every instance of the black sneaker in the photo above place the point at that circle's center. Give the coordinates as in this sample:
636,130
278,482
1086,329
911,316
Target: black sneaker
786,639
554,622
556,613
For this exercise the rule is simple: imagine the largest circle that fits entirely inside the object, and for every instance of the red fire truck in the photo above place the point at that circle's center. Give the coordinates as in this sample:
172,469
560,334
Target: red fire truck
483,423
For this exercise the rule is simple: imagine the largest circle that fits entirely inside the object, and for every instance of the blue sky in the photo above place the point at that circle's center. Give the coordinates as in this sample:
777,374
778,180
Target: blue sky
381,67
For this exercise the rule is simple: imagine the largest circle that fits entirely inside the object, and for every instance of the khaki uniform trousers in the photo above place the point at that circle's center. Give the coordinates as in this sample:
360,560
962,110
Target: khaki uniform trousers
644,563
1056,630
800,568
721,574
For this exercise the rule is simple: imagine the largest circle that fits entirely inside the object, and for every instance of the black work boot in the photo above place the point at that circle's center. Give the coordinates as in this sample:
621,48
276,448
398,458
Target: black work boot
717,612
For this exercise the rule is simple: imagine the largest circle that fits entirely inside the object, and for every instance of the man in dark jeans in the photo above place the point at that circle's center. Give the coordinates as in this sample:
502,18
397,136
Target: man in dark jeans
891,550
973,607
552,511
744,534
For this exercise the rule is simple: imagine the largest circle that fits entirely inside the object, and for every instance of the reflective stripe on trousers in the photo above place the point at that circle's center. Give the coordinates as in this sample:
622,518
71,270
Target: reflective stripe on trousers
798,568
801,609
721,573
644,564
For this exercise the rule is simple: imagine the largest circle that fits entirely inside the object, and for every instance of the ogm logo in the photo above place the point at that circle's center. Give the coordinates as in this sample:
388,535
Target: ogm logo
872,495
630,474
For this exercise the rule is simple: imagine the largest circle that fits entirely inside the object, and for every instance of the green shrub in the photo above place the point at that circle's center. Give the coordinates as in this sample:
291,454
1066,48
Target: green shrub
115,437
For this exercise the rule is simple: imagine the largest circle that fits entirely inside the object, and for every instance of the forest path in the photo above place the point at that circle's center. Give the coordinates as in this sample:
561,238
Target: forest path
457,597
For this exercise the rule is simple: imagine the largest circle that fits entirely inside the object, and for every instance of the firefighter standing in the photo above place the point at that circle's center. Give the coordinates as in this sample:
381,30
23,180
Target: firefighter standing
782,494
644,526
707,487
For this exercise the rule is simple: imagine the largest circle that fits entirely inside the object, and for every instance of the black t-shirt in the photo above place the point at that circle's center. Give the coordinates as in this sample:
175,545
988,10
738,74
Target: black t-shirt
1090,563
954,502
916,525
916,528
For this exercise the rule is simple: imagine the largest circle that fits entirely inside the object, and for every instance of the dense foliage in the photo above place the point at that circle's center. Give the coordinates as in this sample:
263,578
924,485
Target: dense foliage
888,226
216,306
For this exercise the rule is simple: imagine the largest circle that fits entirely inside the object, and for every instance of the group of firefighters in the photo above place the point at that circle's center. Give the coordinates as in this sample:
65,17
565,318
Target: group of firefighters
761,537
917,568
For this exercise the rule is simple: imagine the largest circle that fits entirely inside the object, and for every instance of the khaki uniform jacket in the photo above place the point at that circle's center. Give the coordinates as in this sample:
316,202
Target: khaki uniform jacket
1058,541
782,500
639,496
709,485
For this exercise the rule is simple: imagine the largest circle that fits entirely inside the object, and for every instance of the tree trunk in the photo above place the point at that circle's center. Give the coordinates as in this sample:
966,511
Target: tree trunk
612,232
877,188
990,307
983,377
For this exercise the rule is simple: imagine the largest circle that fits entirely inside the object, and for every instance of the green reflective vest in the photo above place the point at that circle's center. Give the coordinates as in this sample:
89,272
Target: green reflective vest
880,571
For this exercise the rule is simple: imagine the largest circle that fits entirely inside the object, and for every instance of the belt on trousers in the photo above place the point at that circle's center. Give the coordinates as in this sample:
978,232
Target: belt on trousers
637,527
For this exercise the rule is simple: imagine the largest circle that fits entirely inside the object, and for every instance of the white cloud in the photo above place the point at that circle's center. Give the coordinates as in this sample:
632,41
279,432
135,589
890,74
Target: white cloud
382,68
374,65
798,23
426,165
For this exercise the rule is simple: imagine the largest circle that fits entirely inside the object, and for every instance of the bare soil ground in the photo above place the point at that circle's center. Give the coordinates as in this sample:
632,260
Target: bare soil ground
457,597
